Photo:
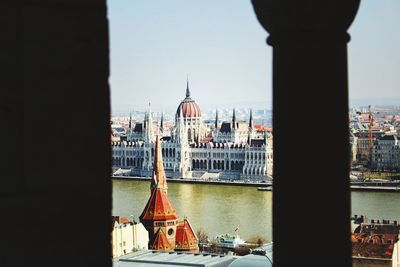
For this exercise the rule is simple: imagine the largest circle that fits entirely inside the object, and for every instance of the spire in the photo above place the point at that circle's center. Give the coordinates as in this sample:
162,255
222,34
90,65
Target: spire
158,180
181,132
162,122
234,119
251,119
216,119
149,128
130,120
187,87
145,120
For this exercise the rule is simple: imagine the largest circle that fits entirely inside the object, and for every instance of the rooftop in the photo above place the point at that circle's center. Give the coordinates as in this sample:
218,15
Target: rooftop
147,258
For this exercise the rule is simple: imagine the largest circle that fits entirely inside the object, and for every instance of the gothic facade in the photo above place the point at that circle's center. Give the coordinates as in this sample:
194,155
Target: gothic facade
230,150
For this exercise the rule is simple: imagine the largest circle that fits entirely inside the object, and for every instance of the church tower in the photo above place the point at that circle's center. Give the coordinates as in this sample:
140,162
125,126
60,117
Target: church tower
159,217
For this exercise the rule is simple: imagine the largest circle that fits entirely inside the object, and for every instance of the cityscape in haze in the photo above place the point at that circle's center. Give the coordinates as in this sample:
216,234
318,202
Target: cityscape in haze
191,105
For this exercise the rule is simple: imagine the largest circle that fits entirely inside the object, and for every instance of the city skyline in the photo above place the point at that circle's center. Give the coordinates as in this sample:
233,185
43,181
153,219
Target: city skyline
156,45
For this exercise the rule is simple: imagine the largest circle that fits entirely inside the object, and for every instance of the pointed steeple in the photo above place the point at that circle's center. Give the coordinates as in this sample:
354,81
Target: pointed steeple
145,120
234,119
187,88
216,119
251,119
130,120
158,180
162,122
265,137
149,128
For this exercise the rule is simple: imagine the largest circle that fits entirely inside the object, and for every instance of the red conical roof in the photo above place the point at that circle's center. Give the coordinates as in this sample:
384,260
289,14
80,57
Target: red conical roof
161,241
185,238
158,208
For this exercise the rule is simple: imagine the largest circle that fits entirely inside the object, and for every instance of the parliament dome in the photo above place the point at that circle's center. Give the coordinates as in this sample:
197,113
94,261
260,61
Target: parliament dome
189,107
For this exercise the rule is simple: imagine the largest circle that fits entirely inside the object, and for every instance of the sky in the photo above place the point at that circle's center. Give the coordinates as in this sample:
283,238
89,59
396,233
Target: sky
221,48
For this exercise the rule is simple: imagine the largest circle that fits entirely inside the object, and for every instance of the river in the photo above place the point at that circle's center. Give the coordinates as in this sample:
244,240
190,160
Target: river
220,209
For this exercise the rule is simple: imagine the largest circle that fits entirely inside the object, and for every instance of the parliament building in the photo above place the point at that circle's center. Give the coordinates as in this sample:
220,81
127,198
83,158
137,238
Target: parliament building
228,150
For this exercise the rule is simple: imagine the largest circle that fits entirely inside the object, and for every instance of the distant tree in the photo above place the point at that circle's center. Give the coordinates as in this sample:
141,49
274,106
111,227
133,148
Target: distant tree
202,235
257,239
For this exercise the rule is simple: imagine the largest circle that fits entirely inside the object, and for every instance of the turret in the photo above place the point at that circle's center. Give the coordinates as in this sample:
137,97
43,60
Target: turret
251,125
216,119
149,127
162,123
234,119
130,121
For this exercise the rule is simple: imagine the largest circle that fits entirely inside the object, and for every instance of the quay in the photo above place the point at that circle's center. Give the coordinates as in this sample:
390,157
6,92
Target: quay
198,181
375,188
356,186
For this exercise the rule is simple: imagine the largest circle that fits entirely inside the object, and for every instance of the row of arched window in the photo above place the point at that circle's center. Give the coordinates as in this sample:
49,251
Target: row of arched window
254,171
129,162
217,165
256,156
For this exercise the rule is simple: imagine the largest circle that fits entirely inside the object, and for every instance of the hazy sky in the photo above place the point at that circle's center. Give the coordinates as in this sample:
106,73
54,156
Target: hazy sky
221,46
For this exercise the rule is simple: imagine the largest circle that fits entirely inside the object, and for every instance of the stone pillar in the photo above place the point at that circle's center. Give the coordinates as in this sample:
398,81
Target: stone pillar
311,200
55,176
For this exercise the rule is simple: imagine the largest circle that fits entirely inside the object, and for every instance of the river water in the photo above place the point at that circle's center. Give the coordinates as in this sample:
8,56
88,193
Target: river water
220,209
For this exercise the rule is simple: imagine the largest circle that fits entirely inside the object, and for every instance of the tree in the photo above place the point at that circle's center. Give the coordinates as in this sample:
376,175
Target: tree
257,239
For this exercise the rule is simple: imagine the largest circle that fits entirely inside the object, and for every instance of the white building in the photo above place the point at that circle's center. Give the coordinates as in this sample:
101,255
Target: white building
232,150
127,237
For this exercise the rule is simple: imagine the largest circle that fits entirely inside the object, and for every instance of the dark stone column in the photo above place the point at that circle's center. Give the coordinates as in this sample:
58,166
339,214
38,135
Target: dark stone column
311,200
55,189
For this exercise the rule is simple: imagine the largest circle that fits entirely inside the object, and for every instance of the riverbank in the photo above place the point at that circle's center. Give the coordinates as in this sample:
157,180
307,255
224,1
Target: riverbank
198,181
354,186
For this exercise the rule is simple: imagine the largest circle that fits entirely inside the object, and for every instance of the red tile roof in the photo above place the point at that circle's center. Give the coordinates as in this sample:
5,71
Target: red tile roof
262,128
161,242
158,208
185,238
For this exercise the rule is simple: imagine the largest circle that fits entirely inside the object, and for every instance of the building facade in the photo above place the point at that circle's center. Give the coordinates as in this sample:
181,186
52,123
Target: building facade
386,153
127,237
230,150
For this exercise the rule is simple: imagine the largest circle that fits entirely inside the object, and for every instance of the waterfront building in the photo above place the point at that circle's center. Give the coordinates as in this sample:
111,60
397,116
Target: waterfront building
127,236
386,153
230,150
166,231
363,155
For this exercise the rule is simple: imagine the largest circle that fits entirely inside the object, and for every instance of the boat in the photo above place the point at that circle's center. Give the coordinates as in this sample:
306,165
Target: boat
269,188
229,241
